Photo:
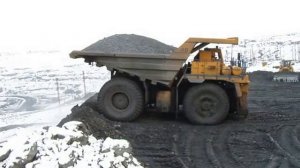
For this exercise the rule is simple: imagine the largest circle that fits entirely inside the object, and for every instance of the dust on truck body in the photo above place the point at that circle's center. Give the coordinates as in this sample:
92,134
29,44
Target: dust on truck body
205,89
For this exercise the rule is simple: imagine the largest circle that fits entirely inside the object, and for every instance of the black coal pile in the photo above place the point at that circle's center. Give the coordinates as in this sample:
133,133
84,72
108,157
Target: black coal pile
96,122
261,76
130,43
269,137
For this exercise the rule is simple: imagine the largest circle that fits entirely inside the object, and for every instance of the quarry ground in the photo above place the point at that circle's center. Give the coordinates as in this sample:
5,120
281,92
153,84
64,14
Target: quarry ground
269,137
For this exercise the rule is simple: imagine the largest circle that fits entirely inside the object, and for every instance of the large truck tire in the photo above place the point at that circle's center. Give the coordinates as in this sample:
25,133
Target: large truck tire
206,104
121,99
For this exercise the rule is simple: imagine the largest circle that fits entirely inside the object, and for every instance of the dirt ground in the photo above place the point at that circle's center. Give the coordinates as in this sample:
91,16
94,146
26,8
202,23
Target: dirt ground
269,137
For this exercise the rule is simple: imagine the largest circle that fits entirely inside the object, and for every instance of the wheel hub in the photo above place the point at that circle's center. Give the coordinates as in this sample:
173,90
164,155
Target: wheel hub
207,107
120,101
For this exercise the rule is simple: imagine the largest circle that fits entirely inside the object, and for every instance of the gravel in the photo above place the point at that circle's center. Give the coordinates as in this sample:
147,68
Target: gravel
130,43
269,136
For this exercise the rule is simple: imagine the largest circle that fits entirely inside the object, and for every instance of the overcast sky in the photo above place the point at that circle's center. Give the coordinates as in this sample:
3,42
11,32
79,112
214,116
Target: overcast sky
66,24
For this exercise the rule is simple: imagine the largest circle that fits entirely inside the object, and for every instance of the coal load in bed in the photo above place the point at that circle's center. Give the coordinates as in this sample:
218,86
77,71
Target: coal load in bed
130,43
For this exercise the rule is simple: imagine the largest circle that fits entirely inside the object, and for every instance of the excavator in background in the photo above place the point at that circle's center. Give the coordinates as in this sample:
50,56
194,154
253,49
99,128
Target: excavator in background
286,72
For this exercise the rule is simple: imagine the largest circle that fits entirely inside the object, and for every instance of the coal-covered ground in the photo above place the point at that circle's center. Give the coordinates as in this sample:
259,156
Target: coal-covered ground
269,137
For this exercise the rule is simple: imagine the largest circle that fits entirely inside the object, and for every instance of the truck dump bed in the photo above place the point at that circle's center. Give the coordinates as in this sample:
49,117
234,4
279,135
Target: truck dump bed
159,68
155,67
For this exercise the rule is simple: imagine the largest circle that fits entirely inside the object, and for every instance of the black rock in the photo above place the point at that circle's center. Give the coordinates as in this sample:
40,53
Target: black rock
130,43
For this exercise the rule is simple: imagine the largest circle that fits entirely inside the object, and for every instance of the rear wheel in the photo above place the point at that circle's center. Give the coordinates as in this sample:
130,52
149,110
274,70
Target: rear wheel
121,99
206,104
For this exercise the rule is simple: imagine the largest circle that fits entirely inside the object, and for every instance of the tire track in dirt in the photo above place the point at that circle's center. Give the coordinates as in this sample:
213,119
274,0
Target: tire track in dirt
211,154
196,148
250,146
275,161
245,145
218,149
269,137
232,144
287,143
160,155
191,147
182,156
154,145
296,135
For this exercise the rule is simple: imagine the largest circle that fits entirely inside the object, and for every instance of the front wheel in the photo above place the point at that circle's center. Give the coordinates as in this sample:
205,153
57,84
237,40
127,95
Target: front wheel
206,104
121,99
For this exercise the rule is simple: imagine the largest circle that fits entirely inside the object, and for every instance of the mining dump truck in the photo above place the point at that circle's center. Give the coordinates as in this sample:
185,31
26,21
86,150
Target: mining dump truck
193,80
286,72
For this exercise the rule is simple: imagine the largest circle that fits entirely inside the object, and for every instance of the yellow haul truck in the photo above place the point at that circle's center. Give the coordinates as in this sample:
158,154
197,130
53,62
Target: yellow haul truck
204,88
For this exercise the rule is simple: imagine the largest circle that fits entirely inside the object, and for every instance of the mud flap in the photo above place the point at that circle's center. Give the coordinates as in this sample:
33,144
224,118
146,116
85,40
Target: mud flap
242,107
242,101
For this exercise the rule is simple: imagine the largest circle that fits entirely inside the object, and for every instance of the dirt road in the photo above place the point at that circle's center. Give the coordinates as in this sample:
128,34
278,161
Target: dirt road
269,137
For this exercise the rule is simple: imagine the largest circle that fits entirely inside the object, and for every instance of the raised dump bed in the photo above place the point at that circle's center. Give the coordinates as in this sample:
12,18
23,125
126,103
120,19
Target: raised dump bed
160,68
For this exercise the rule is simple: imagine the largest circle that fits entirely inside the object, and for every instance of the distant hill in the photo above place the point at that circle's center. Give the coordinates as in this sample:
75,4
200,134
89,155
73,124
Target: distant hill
130,43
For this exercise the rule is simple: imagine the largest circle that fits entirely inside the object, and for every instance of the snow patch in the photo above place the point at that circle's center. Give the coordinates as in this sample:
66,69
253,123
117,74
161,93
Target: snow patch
68,146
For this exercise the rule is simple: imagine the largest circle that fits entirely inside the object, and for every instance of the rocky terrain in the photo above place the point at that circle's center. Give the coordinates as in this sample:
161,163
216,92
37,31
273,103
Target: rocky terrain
71,145
269,137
